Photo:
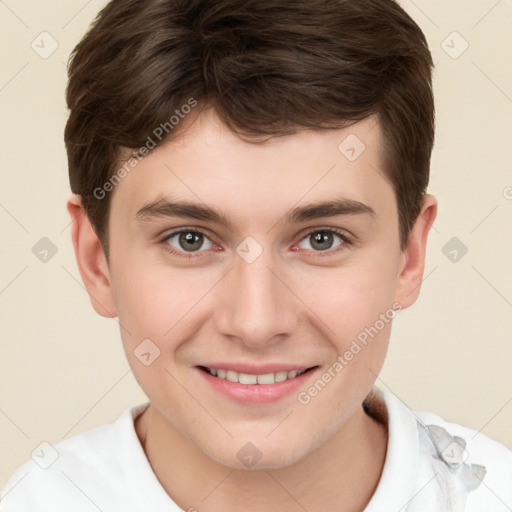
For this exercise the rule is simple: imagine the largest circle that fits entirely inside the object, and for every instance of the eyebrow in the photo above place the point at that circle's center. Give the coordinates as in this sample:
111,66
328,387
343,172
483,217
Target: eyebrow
163,208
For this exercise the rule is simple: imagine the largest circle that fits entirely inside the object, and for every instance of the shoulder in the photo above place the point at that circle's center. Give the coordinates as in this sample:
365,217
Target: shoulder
486,462
478,445
53,478
433,464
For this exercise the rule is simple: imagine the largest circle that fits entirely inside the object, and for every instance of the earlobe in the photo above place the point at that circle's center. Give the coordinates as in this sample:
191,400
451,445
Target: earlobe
413,257
91,260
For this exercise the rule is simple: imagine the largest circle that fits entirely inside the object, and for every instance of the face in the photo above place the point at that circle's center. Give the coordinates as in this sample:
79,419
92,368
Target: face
224,261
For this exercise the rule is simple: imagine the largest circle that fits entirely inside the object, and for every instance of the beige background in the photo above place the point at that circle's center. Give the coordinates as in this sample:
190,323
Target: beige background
62,369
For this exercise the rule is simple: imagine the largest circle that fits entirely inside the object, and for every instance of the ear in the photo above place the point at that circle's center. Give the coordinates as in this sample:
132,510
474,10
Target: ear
413,256
91,260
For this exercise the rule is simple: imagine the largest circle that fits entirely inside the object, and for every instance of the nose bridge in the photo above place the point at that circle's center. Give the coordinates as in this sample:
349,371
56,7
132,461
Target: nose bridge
257,307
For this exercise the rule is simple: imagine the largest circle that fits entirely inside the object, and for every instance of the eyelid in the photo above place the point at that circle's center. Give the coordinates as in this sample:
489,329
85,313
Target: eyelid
192,229
314,229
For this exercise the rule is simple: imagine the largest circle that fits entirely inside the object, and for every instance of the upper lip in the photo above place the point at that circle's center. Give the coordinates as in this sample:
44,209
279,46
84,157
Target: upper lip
251,369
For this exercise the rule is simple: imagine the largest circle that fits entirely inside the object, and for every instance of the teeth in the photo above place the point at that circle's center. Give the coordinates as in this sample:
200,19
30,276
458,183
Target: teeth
280,376
245,378
232,376
267,378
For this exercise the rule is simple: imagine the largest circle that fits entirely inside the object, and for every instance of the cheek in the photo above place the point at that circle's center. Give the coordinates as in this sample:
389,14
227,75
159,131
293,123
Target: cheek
152,299
153,307
352,298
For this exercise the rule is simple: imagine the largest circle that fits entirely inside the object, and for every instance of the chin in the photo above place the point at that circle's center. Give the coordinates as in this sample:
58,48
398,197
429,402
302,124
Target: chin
258,454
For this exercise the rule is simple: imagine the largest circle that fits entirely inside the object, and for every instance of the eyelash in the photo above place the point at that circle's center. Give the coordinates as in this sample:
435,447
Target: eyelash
189,255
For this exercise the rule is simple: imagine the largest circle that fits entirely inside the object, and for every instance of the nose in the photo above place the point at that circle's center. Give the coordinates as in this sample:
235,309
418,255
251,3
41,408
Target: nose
256,305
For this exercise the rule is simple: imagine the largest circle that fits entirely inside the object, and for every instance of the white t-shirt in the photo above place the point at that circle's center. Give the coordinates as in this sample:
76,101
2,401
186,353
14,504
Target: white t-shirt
428,468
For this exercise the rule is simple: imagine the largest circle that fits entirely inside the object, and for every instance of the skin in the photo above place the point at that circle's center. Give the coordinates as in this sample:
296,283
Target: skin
293,304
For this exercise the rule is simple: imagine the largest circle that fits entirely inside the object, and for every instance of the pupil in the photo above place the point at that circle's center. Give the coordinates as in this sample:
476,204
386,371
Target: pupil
191,241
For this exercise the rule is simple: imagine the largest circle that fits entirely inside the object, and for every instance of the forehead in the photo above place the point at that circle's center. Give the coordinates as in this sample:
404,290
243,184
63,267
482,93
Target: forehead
207,163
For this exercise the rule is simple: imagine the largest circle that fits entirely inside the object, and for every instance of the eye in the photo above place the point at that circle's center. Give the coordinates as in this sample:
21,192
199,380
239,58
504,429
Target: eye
190,243
187,241
322,240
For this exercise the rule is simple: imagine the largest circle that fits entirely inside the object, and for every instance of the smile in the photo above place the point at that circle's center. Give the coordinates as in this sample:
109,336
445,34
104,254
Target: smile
246,378
256,386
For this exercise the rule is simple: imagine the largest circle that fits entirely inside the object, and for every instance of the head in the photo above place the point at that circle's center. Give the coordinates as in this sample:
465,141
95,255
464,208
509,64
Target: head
293,141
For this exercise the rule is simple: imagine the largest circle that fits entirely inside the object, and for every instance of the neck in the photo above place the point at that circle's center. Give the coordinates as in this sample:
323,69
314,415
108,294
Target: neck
341,475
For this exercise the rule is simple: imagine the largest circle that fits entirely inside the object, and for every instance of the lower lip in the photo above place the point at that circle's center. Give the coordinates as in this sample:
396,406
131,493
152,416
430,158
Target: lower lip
257,394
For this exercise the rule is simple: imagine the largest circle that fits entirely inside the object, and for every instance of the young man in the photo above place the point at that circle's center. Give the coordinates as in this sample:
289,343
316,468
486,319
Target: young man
250,201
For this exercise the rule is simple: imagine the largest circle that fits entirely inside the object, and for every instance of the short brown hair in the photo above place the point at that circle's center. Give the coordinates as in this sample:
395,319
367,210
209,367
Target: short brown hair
267,67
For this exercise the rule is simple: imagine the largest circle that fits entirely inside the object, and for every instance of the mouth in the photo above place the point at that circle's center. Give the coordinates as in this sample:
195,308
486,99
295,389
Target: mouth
251,379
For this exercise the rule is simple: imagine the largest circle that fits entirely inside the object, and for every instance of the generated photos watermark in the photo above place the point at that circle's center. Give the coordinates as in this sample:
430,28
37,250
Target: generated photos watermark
158,133
357,346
